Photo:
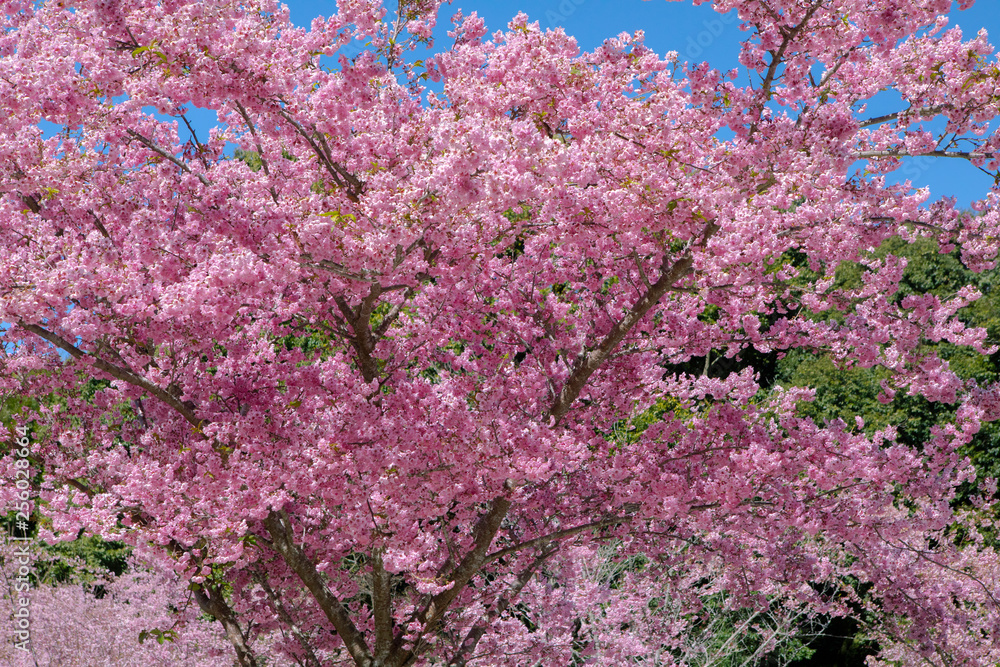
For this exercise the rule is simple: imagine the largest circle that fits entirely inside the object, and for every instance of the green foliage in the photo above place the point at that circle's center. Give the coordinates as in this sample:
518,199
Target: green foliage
845,393
516,249
93,386
740,637
84,559
250,158
314,341
842,393
159,635
14,404
628,431
87,558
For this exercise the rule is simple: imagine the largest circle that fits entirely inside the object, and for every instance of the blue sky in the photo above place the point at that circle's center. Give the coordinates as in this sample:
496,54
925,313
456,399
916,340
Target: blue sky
696,33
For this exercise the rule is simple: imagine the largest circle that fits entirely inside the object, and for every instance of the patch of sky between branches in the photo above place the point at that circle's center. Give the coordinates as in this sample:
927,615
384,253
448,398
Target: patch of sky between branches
945,177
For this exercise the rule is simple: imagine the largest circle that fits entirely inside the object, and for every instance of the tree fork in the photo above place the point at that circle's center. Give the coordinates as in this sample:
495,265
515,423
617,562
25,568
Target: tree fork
216,606
279,526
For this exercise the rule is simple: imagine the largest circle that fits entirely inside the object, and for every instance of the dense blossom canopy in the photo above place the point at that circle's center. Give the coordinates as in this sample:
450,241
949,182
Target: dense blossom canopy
391,370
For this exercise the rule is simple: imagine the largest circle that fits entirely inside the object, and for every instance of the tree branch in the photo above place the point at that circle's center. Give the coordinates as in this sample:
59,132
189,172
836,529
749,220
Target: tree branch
926,111
552,537
260,150
382,604
123,374
341,177
31,203
167,156
286,618
360,320
776,59
432,613
477,631
217,607
589,361
100,227
200,147
334,267
902,153
279,526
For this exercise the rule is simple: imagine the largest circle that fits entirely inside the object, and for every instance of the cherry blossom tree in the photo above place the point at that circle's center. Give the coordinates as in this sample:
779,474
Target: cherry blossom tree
384,361
141,618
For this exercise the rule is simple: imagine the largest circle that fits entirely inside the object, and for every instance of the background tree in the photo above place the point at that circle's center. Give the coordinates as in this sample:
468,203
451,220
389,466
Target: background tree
842,393
139,618
359,382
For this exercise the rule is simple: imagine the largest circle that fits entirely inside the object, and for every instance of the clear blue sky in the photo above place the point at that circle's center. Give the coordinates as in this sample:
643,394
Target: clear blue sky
696,33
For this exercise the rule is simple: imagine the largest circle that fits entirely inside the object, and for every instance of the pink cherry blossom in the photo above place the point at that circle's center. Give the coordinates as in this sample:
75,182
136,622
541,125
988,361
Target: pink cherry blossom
360,388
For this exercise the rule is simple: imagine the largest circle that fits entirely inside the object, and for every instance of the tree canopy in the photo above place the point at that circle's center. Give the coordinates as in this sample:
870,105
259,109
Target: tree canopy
452,360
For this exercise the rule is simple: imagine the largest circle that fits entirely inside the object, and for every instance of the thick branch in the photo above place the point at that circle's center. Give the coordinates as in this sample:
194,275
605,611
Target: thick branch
476,633
902,153
260,150
920,113
218,608
307,652
382,604
31,203
552,537
360,320
334,267
393,314
432,613
123,374
279,526
589,361
776,59
341,177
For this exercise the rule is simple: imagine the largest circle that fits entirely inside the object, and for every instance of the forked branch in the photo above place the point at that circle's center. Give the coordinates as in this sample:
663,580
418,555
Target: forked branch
279,526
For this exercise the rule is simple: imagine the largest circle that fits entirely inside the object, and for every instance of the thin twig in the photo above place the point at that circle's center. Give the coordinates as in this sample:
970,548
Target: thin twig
166,156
